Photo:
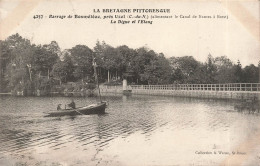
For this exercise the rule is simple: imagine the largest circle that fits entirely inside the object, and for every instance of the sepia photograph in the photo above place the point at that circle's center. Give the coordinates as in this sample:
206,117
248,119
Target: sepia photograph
129,83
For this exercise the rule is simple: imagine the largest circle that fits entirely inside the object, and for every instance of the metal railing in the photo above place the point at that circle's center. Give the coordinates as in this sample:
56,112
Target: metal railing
201,87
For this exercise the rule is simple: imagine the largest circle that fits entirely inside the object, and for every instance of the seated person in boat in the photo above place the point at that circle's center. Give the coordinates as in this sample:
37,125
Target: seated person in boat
58,107
72,104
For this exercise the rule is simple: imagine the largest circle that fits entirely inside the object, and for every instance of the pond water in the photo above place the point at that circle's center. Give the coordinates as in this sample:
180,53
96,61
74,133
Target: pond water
136,130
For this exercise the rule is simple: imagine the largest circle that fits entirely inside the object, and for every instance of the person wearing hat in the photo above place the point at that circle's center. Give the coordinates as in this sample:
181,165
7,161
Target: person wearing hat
72,104
58,107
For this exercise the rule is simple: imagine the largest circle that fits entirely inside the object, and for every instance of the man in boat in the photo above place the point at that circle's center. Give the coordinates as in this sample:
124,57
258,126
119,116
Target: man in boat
72,104
58,107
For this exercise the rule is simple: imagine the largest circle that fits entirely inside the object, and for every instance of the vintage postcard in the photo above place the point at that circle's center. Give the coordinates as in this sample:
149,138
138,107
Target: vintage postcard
129,82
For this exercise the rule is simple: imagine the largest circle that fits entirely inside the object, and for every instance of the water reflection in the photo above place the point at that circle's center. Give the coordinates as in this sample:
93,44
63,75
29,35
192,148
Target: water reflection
143,122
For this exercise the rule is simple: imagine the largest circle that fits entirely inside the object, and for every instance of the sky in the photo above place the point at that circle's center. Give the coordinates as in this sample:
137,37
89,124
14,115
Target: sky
236,37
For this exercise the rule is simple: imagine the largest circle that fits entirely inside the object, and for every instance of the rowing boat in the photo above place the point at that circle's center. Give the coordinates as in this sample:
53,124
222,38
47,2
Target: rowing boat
98,108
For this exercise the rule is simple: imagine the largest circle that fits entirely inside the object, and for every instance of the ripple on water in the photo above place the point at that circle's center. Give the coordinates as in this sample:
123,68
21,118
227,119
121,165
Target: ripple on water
24,129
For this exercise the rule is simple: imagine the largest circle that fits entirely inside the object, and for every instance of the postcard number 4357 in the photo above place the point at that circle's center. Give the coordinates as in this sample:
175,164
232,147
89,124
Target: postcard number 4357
38,16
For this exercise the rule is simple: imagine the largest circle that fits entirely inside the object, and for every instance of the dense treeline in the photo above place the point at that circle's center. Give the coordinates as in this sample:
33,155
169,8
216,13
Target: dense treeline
30,67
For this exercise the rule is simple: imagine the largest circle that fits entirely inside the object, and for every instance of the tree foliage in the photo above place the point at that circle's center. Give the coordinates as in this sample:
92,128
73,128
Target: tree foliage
82,57
224,70
26,66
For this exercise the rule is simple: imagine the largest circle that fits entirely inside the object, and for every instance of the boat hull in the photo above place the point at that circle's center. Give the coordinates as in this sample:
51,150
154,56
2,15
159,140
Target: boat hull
98,108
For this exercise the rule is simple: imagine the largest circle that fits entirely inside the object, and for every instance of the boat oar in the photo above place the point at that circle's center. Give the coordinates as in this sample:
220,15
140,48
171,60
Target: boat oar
79,112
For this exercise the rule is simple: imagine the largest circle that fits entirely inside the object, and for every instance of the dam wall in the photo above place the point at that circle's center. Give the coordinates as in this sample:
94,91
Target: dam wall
215,91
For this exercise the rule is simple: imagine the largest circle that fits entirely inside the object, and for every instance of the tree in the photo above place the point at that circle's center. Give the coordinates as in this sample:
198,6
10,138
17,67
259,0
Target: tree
140,62
251,74
53,47
82,57
60,72
99,54
18,55
158,71
224,70
211,70
123,58
107,59
4,61
199,75
43,61
63,70
238,73
184,67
